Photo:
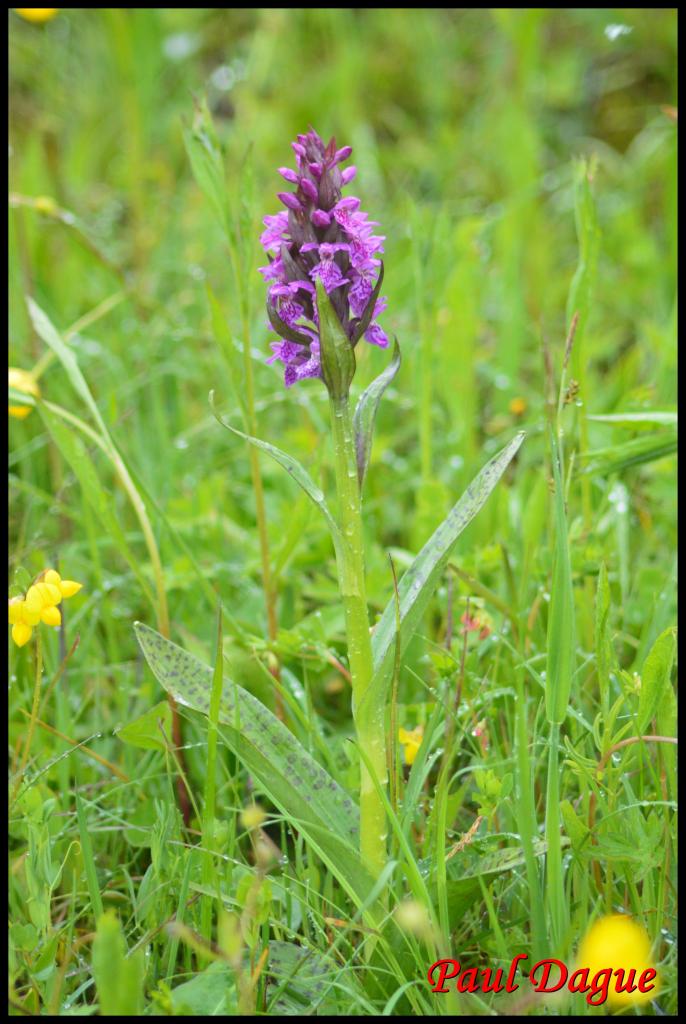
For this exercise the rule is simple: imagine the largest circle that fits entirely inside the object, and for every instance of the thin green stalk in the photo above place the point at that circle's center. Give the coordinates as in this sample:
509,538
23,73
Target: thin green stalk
34,716
557,910
370,728
210,784
527,823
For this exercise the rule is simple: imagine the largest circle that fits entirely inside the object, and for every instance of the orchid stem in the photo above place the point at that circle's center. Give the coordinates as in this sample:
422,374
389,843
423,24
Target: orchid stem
350,554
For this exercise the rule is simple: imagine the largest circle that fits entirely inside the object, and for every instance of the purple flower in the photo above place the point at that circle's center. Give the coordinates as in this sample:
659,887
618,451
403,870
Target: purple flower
323,236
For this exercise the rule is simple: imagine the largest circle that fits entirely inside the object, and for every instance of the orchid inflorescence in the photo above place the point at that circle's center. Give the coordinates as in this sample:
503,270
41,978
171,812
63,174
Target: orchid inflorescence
39,604
320,236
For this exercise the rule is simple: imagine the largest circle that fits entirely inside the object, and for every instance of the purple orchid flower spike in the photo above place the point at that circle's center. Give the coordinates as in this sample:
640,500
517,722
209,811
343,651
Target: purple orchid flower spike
320,238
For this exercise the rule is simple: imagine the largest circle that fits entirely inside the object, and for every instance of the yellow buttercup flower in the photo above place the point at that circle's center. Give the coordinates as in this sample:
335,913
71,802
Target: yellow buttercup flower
39,604
622,944
37,15
411,742
23,381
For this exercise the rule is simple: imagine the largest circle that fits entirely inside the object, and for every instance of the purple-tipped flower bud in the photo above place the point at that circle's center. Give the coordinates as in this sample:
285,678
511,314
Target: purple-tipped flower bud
342,154
309,189
289,200
334,248
320,218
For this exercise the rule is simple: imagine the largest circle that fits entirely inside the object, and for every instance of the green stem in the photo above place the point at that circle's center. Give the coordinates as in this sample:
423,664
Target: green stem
370,727
34,716
527,823
555,888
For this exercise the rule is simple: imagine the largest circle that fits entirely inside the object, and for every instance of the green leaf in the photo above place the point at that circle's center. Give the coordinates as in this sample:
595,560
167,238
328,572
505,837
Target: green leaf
636,452
307,980
637,419
655,677
207,160
75,454
306,794
561,641
463,892
51,336
225,339
118,978
575,828
210,993
145,731
419,582
365,413
603,647
292,467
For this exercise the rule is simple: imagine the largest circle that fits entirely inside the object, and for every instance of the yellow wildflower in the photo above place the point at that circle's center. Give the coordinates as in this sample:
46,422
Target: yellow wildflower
22,620
253,816
22,380
518,406
619,943
411,742
37,15
39,604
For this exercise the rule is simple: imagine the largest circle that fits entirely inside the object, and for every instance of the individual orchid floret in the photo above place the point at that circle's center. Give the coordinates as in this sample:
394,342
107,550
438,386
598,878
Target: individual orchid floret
322,236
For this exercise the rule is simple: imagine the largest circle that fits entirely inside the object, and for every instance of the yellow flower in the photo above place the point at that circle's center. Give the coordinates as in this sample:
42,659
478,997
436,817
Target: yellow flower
252,816
619,943
22,620
39,604
25,382
518,406
411,742
67,588
37,15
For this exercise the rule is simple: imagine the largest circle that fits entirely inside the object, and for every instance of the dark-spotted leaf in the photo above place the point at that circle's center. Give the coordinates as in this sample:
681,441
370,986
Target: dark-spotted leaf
302,789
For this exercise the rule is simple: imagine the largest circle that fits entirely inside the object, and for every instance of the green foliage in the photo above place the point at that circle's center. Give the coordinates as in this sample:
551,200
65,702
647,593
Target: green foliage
118,977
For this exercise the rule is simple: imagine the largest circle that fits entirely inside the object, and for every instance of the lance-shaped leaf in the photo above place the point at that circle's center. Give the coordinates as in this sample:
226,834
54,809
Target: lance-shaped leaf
655,677
365,413
363,323
419,582
293,468
310,799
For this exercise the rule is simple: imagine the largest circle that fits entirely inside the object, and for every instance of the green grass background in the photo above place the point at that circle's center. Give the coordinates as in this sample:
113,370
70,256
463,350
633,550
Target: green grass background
470,131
